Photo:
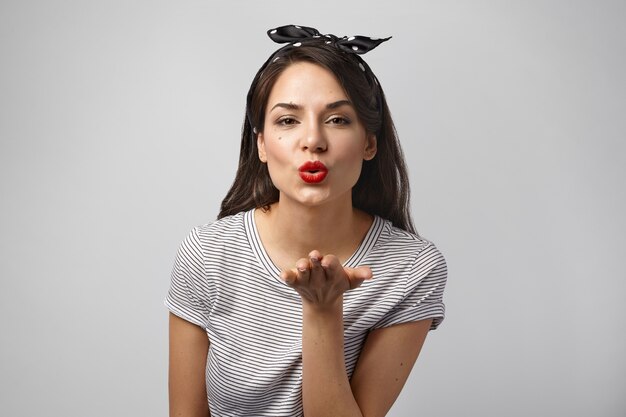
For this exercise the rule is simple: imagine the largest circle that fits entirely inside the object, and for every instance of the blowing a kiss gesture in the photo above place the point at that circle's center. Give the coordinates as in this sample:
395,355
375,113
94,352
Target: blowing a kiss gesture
322,280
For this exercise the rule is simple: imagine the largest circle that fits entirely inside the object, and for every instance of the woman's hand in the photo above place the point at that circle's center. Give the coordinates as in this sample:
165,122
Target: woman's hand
321,281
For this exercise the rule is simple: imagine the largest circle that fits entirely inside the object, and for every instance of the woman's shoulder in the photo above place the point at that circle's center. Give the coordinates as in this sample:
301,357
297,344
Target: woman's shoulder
393,236
396,243
224,229
399,248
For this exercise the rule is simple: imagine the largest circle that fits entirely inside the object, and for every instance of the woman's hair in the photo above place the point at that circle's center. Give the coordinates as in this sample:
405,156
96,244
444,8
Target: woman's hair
382,188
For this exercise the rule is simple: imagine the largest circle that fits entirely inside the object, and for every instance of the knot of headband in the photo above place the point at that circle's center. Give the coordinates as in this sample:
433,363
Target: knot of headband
296,34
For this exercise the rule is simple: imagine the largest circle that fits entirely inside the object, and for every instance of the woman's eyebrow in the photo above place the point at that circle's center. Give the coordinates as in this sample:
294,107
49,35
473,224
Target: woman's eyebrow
288,106
293,106
338,103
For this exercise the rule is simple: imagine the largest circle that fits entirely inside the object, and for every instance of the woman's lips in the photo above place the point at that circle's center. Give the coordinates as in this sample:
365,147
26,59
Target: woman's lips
313,172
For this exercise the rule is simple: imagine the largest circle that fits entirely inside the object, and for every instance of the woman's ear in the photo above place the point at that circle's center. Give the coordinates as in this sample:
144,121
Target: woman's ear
370,148
260,144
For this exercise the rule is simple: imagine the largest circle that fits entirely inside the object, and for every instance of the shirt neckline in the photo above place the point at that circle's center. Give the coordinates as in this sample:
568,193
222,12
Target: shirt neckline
268,265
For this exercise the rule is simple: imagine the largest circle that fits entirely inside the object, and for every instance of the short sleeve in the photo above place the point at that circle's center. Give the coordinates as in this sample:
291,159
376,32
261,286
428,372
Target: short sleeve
186,296
423,295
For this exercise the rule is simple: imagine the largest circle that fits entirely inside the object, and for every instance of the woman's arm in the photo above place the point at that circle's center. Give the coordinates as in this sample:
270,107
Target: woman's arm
384,365
326,389
189,345
385,361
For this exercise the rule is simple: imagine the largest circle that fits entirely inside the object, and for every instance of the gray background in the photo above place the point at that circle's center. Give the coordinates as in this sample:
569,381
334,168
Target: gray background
120,124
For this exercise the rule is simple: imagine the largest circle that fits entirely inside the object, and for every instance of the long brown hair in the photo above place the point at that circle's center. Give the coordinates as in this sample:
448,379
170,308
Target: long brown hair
383,187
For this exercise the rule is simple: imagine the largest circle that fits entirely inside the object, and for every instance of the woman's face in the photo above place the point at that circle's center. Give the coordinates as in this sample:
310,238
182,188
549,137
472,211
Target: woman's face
312,140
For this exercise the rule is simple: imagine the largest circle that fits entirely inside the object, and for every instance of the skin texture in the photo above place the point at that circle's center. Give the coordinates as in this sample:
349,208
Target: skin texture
308,234
189,346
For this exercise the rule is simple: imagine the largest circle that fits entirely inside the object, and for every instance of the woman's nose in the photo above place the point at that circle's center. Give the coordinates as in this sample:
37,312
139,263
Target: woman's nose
314,139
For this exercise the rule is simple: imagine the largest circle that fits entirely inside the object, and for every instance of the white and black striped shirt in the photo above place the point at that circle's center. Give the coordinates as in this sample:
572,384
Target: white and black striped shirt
224,281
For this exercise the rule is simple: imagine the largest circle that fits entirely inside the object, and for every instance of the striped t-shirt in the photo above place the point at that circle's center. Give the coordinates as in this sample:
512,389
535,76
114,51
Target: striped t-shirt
224,281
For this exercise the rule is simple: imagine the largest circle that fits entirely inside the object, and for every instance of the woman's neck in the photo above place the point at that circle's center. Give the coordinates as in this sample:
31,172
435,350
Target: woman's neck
289,232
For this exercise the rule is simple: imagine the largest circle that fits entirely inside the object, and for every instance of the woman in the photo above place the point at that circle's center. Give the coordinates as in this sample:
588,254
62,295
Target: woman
311,294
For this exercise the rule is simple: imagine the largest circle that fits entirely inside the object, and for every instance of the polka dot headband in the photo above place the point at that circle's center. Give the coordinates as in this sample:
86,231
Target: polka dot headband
294,36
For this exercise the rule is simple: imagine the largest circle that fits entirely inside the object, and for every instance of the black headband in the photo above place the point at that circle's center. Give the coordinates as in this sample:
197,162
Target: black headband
294,36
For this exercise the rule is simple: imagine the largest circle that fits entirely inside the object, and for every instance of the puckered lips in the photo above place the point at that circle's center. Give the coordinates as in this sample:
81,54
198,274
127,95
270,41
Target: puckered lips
313,172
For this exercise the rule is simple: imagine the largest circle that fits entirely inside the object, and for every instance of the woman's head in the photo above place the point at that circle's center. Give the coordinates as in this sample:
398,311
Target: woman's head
382,187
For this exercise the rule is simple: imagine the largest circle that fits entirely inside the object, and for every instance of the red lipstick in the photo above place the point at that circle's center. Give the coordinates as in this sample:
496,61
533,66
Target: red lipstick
313,172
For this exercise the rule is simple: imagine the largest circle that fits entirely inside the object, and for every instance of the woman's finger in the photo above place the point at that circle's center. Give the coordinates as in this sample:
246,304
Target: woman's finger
303,269
297,276
356,276
333,269
317,273
330,263
362,272
289,276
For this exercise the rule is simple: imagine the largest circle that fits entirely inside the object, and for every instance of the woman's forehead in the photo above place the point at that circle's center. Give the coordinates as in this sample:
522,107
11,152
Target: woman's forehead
303,82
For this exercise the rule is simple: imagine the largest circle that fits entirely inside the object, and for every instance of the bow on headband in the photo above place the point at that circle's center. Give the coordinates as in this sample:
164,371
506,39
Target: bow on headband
296,34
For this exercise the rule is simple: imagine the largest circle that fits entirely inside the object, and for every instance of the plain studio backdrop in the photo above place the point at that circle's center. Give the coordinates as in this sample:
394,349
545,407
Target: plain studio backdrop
120,127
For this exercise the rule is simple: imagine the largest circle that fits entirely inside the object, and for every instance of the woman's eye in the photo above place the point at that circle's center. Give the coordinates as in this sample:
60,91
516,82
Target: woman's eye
287,121
337,120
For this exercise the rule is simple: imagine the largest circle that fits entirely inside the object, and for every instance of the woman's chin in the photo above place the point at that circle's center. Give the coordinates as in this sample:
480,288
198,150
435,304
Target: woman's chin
315,198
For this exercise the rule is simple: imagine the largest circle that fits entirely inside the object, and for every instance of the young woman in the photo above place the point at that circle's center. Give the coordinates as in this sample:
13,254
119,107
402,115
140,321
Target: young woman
311,294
